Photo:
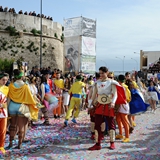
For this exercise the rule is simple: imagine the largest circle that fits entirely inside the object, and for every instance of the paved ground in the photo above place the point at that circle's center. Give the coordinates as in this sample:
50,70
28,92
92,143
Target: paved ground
71,143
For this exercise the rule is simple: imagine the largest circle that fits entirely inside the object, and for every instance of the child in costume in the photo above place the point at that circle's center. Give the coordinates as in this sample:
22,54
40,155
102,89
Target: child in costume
3,109
123,111
76,90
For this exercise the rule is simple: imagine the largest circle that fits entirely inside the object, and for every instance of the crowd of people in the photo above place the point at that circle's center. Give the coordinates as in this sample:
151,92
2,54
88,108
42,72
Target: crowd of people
12,10
108,101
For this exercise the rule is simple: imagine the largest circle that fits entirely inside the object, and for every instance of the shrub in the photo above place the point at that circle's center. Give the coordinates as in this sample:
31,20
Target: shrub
11,30
55,35
6,65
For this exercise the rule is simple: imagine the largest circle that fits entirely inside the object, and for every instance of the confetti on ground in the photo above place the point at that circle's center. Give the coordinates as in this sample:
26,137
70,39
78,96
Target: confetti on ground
56,142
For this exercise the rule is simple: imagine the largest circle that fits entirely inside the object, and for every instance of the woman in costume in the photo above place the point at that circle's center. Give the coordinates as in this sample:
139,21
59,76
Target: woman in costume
22,107
58,90
153,95
109,93
3,109
137,104
66,96
122,112
48,99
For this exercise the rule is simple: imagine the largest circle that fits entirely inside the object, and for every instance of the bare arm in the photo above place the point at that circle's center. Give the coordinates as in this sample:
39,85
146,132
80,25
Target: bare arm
43,91
114,91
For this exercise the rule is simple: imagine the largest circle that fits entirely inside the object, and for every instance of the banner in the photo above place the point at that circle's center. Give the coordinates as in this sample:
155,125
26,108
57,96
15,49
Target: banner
72,54
88,64
73,27
88,46
88,27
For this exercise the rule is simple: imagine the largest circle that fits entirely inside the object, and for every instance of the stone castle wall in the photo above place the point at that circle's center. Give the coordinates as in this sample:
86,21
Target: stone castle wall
27,45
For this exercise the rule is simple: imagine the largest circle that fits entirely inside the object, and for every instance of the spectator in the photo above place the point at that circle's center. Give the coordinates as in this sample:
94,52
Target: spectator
10,10
1,9
25,13
34,13
6,9
48,17
51,19
30,13
20,12
13,10
38,15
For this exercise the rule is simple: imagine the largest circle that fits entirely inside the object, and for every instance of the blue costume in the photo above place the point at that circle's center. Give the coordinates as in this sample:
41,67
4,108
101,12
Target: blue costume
152,89
137,104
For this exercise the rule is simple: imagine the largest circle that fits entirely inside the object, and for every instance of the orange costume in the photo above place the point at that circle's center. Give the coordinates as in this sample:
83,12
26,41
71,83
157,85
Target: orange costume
3,116
59,86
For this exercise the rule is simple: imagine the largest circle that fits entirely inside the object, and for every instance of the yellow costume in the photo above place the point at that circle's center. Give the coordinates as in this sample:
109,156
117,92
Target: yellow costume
76,91
23,95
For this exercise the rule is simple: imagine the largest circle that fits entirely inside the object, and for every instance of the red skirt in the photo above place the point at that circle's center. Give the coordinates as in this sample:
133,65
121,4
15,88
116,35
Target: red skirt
103,109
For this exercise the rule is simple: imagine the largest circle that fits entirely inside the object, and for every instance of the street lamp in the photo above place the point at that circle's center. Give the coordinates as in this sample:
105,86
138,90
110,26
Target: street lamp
136,62
122,62
104,62
136,53
41,36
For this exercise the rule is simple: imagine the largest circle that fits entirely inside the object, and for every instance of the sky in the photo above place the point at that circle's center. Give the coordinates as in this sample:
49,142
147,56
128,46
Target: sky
123,26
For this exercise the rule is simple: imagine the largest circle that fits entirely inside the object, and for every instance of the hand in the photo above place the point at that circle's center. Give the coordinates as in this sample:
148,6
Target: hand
112,105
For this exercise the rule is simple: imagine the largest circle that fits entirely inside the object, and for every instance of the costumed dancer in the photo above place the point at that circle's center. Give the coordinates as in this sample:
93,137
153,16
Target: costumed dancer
22,107
3,109
109,92
131,117
58,90
153,96
76,90
137,104
123,111
49,100
66,96
91,110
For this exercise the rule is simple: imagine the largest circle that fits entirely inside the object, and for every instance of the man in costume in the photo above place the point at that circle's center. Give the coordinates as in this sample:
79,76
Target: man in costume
91,110
109,92
3,109
58,90
76,91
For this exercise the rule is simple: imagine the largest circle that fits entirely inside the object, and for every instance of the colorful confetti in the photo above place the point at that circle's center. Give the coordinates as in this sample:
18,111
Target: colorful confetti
71,143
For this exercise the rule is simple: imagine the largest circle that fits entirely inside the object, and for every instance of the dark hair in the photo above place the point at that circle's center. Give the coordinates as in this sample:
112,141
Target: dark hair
16,72
97,75
78,77
58,72
127,73
3,74
121,78
103,69
129,83
43,79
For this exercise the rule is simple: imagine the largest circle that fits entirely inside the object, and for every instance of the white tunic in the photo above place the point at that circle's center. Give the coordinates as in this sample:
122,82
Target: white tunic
108,87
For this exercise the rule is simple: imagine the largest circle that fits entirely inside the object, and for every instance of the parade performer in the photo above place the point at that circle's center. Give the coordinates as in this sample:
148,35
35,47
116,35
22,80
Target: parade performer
137,104
76,90
123,111
109,92
66,96
3,109
131,117
48,99
58,90
153,95
21,108
91,110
